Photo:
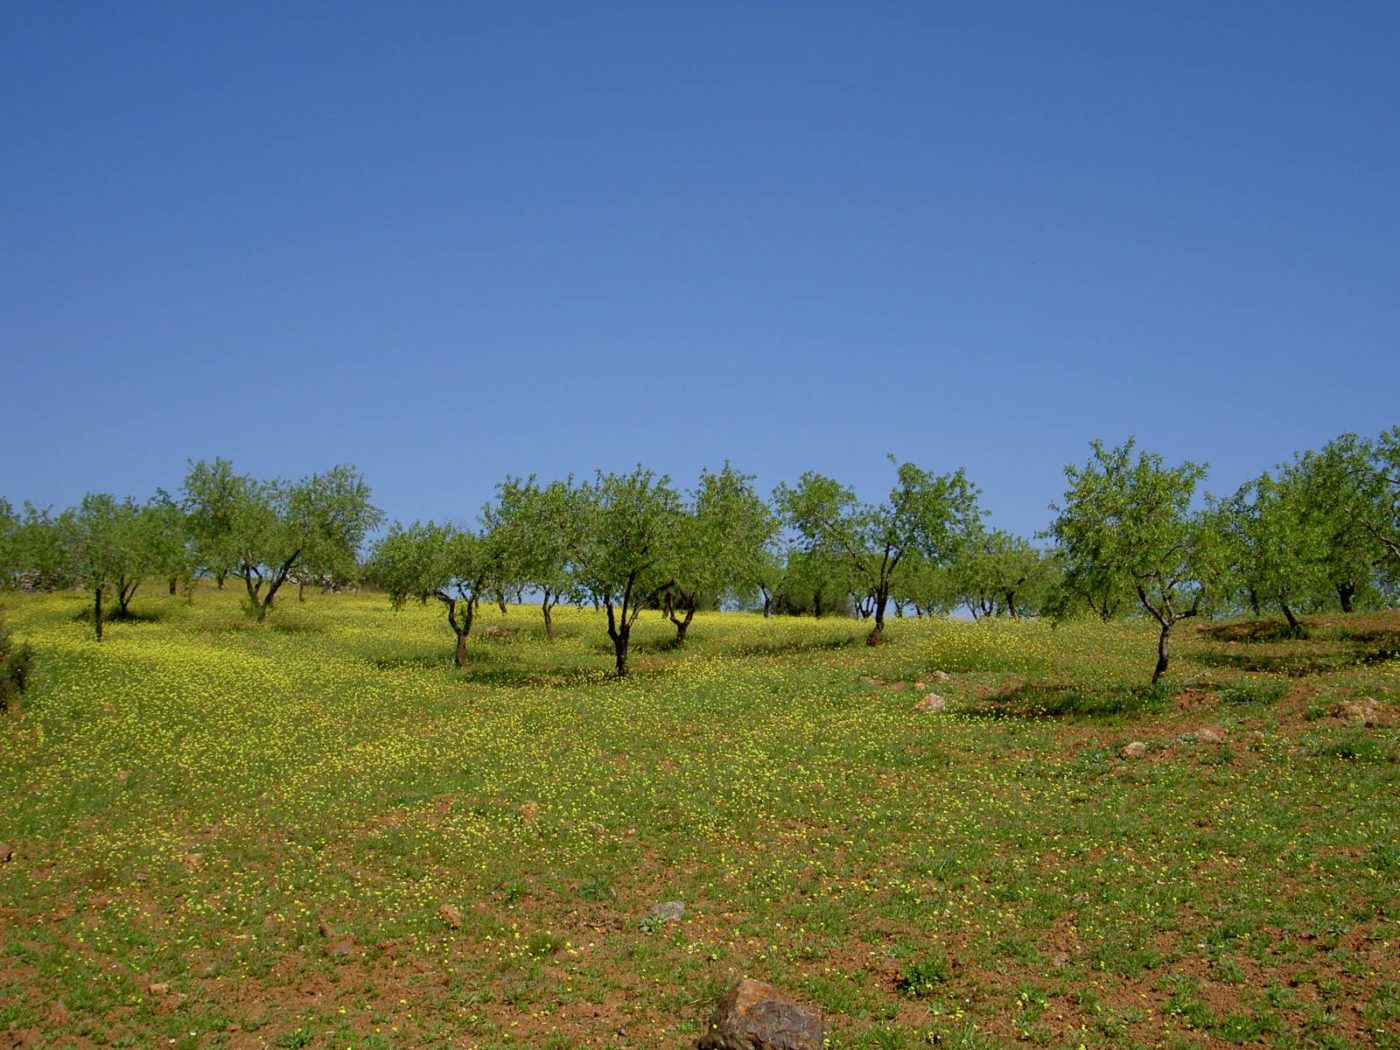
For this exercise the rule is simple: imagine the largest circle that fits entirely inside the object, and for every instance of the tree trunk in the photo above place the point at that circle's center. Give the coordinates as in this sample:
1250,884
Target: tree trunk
876,633
219,579
620,641
1011,605
460,658
1254,602
124,595
1345,593
173,582
682,624
97,613
1294,627
501,602
547,608
301,592
1162,641
767,600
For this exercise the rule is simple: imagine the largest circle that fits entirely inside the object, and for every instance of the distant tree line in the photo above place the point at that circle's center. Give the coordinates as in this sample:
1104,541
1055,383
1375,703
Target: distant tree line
1131,536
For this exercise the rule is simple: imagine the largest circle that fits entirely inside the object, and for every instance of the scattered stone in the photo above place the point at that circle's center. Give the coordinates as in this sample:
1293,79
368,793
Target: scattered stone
1059,960
867,679
667,911
529,813
342,949
7,853
450,916
1210,735
1364,711
940,676
326,930
896,687
1134,750
932,702
193,860
160,988
757,1016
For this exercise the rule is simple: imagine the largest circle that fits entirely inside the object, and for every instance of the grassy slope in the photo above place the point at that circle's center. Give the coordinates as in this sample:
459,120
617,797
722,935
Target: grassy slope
236,836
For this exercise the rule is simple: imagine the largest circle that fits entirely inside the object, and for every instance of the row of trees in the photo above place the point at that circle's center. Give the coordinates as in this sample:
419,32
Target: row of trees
1131,534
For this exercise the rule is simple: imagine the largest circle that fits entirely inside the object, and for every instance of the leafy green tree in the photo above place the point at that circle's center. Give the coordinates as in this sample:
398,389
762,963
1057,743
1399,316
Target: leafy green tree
166,530
534,529
1341,490
1384,520
41,549
272,528
721,545
442,562
215,500
106,548
1127,522
997,573
926,514
625,554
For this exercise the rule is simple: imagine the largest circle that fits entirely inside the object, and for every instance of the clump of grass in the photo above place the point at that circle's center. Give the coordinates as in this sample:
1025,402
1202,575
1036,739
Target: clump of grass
1267,692
921,978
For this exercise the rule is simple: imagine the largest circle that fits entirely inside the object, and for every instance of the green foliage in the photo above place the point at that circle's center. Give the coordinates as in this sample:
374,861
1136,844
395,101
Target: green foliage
921,979
996,573
443,562
928,516
533,530
1128,524
263,530
627,549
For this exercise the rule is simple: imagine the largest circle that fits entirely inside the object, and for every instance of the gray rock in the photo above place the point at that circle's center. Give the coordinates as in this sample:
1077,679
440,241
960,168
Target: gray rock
1134,750
932,702
757,1016
667,911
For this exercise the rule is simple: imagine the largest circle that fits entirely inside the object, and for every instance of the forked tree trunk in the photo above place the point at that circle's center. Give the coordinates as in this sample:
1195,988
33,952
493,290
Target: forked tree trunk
877,632
1345,593
547,608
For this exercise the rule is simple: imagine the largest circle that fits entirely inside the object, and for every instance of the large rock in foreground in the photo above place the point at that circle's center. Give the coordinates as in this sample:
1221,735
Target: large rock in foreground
757,1016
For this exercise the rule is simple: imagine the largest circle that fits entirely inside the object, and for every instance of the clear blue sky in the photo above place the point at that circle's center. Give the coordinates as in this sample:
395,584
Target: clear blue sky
447,242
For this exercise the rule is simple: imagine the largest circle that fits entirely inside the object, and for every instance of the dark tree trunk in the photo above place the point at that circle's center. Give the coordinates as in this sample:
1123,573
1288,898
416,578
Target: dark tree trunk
97,613
547,608
620,652
1254,602
1294,627
620,631
219,579
1011,605
501,602
125,592
682,623
173,582
877,632
767,601
461,627
1163,640
1345,593
301,592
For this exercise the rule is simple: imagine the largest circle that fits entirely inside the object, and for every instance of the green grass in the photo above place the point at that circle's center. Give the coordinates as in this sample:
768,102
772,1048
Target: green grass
248,833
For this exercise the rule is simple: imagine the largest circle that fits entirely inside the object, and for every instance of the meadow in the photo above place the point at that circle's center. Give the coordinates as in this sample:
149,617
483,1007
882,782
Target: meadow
317,832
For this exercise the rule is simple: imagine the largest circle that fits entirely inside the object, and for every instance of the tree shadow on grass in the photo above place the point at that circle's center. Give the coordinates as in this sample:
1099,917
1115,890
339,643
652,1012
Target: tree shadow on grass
1038,700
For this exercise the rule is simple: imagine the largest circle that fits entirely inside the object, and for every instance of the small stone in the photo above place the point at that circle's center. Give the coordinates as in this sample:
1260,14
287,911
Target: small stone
160,988
667,911
1210,735
326,930
940,676
1059,960
932,702
866,679
757,1016
529,813
342,949
1363,711
450,916
7,853
193,860
1134,750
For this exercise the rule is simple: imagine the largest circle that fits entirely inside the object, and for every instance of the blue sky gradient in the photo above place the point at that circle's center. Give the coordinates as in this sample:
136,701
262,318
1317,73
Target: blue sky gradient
450,242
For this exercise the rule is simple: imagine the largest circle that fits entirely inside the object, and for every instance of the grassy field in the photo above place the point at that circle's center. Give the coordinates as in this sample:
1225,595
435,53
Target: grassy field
318,833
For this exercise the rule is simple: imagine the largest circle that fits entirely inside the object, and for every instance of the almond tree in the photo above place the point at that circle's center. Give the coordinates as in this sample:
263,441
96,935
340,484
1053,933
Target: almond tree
1130,522
927,515
534,529
625,554
440,562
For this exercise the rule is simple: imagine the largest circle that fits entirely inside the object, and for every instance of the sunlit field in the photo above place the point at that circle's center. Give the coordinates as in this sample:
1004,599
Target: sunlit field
318,832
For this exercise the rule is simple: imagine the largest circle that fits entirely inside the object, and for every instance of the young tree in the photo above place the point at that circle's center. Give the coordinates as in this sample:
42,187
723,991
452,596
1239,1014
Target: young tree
105,547
1130,522
214,495
926,514
166,531
1341,489
436,561
721,545
997,573
270,528
534,529
624,556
